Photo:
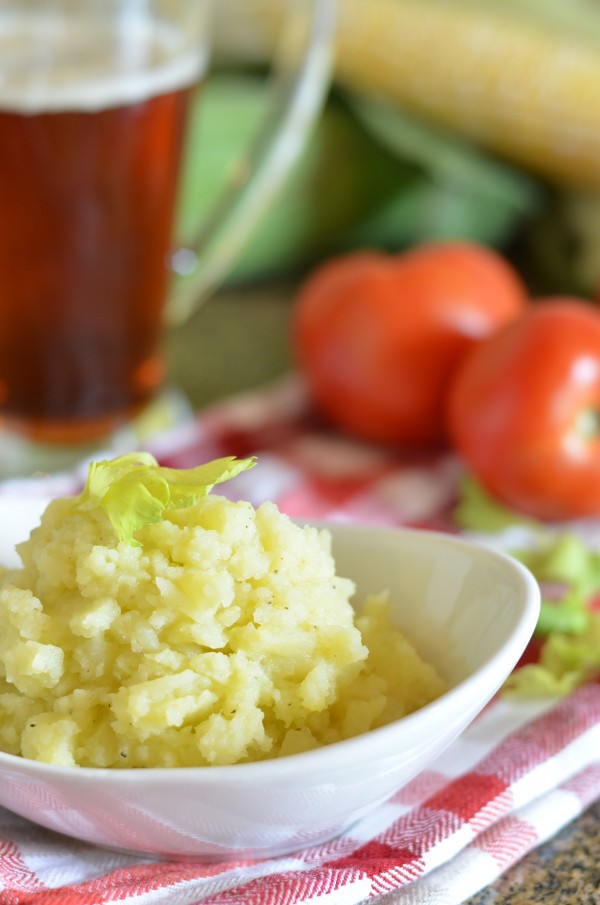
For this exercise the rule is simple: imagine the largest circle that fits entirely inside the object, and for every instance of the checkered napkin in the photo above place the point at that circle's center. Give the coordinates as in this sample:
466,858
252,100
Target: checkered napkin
518,774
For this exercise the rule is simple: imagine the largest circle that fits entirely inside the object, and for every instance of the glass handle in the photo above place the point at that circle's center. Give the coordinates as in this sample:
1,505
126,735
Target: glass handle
301,76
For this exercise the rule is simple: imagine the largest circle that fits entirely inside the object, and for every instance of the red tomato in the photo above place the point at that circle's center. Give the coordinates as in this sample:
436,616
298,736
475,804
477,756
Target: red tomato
377,337
523,411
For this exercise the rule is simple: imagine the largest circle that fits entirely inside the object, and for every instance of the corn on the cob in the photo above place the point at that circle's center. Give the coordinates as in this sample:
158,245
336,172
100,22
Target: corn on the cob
525,91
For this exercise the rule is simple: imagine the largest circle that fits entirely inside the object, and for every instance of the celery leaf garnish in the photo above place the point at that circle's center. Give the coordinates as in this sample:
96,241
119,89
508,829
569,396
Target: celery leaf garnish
135,490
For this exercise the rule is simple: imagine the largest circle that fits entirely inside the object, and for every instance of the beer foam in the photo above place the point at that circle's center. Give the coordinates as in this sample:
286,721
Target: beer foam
49,63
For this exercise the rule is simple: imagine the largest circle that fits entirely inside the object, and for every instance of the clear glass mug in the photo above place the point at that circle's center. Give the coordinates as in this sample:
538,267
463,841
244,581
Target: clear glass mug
94,96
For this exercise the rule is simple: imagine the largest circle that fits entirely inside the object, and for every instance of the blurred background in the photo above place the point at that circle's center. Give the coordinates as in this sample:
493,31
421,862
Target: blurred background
476,119
470,119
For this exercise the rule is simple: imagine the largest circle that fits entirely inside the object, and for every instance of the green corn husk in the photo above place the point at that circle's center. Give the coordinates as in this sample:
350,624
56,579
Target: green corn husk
368,176
342,179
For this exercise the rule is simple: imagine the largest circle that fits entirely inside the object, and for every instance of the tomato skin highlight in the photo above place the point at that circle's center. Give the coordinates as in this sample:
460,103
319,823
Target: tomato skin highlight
377,337
523,408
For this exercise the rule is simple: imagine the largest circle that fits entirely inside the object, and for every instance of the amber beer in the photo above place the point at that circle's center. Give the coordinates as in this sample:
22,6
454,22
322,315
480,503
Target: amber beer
89,160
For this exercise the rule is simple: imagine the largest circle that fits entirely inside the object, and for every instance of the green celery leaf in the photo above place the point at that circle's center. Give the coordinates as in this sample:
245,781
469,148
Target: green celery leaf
135,490
187,486
534,681
564,652
570,654
566,661
569,616
478,511
102,474
565,559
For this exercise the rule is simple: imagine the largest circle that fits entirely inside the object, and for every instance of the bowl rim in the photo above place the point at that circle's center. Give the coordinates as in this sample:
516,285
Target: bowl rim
490,675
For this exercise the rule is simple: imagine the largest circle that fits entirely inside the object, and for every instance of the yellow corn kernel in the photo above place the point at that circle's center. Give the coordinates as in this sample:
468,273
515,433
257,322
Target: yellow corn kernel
525,90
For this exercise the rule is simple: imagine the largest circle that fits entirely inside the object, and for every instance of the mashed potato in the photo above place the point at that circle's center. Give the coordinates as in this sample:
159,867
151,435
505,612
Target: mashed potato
226,636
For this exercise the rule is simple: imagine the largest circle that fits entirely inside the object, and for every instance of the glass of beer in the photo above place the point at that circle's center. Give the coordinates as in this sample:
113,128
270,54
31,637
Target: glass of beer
94,99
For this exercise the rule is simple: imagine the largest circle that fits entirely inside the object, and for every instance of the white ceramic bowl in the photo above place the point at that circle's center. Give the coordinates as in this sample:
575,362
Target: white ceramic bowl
470,610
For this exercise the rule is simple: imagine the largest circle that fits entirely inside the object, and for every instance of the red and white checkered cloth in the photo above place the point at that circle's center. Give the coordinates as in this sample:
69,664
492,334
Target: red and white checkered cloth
518,774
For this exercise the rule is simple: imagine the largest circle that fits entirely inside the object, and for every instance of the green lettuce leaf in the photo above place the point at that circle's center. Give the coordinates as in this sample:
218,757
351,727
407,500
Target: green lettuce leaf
566,661
564,559
569,615
135,490
536,681
568,572
478,511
